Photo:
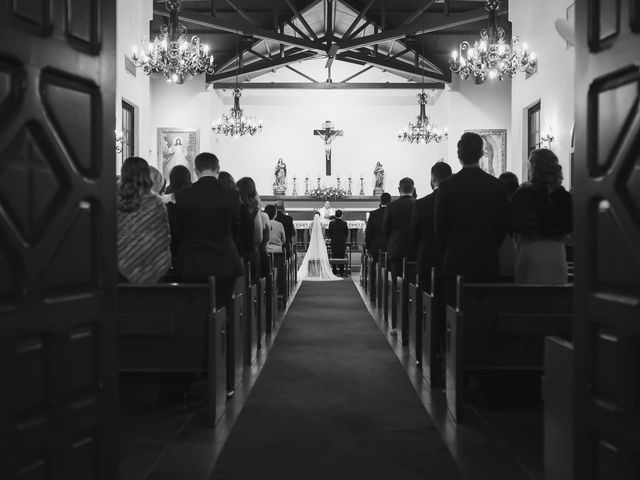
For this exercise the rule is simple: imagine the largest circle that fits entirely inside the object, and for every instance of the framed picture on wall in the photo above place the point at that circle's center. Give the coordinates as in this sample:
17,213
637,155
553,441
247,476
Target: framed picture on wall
177,146
494,160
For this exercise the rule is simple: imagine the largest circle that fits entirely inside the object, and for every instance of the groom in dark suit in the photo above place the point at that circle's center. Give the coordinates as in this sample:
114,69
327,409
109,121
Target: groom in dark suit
397,225
287,223
338,233
207,220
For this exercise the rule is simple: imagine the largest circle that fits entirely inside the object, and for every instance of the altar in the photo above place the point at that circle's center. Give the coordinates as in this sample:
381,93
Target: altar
355,211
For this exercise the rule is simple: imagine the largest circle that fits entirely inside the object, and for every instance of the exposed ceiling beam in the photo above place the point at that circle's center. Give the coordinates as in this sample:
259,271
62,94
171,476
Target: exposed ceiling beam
434,23
328,86
419,12
261,66
360,28
242,13
297,13
394,66
297,30
233,27
303,75
360,16
358,73
329,27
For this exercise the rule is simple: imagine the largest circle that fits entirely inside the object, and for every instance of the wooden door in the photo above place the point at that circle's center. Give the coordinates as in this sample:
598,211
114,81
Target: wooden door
607,226
57,240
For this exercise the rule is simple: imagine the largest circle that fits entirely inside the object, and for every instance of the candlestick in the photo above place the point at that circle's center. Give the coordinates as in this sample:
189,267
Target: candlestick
294,191
349,190
318,181
306,185
362,186
338,182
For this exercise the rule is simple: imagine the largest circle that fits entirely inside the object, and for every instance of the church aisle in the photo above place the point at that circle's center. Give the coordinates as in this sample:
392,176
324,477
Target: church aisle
333,402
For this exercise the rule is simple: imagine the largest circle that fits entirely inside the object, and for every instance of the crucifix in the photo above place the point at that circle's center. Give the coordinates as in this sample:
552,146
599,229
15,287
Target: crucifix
328,133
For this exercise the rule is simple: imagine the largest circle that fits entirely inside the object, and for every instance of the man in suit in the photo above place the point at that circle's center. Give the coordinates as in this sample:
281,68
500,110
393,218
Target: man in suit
397,227
207,219
422,227
287,223
470,218
374,238
338,233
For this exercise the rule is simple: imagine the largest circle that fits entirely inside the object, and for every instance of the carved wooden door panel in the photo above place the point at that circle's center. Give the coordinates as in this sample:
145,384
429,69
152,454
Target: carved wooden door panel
607,226
58,398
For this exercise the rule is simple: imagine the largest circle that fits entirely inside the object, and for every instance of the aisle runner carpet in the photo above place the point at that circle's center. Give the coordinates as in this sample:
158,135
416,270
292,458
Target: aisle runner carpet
333,402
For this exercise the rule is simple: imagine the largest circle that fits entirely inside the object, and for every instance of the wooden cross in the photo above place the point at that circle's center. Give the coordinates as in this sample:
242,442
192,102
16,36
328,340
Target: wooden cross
328,133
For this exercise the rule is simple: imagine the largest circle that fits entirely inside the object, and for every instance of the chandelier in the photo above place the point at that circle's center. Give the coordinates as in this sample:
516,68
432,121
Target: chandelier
172,53
236,124
421,131
492,56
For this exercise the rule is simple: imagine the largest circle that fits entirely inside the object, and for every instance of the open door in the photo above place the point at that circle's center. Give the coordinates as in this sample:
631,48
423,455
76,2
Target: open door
58,404
607,226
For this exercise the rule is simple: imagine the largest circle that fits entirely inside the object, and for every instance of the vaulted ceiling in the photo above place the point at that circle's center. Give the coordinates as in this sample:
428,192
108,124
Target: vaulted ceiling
401,41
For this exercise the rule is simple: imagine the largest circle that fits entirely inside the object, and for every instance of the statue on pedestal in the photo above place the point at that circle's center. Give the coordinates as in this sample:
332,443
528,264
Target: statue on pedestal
280,184
378,187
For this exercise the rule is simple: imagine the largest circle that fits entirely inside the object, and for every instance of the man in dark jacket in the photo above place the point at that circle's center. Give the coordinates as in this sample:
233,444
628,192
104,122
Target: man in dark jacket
397,227
422,228
471,217
338,233
374,238
207,218
287,223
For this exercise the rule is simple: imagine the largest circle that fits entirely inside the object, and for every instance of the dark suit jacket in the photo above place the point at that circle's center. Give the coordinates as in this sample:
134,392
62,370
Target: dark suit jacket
374,238
471,221
338,233
397,229
289,229
206,224
423,235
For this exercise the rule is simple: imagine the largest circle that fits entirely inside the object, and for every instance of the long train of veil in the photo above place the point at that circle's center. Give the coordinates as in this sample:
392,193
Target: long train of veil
315,265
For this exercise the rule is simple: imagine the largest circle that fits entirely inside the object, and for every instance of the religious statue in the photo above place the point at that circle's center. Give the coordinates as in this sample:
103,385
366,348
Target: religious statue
280,184
328,134
378,187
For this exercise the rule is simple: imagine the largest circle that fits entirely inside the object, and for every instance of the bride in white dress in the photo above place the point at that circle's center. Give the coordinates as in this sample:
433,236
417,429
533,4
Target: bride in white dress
315,265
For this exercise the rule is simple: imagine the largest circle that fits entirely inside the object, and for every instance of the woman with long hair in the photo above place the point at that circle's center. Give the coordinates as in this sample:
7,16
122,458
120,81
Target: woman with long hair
315,264
252,231
143,227
541,217
179,178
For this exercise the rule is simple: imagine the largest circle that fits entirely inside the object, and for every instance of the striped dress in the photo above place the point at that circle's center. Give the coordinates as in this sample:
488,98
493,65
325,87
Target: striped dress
144,254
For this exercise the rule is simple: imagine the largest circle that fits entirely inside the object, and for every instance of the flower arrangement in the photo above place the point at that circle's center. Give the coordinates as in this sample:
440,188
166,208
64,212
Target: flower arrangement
327,193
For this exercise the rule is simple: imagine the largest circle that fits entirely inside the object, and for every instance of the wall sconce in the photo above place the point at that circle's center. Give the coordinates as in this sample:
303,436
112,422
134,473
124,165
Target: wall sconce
119,140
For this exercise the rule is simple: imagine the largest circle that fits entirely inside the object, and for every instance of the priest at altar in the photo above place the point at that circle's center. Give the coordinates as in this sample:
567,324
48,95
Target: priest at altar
326,212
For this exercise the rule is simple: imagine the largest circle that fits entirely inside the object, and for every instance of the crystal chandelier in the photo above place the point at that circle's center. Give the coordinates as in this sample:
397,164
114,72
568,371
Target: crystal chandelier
492,56
422,131
172,53
236,124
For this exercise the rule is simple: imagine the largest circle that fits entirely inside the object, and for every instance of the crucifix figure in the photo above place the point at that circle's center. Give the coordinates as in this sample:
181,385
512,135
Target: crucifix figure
328,133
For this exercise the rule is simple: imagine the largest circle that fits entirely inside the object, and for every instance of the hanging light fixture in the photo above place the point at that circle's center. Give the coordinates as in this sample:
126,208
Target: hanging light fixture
422,131
172,53
236,123
492,56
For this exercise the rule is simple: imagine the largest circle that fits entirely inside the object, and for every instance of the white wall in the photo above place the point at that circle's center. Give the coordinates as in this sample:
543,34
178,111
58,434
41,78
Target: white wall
370,120
552,84
133,23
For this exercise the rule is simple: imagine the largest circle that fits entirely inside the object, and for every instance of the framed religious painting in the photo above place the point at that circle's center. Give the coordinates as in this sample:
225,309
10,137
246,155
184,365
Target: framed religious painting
494,142
178,146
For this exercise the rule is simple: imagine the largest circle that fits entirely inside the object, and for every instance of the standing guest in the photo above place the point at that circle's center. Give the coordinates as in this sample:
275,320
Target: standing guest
251,233
207,218
226,180
143,228
541,214
287,223
507,251
374,238
470,218
179,178
423,231
397,227
157,180
277,236
338,233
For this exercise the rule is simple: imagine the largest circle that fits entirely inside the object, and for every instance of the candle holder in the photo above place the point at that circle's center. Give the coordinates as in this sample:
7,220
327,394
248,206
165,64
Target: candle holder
294,192
338,182
361,186
318,182
306,186
349,189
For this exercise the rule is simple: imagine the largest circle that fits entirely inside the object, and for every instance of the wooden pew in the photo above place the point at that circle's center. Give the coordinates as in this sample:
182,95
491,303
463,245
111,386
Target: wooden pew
557,394
381,282
271,295
249,318
414,320
501,327
261,311
174,328
402,301
364,270
432,327
371,278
